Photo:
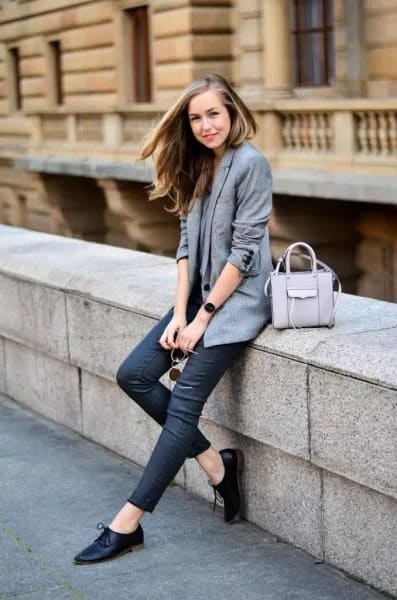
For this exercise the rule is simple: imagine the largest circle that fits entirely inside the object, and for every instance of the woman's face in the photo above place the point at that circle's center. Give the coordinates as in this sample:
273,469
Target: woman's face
209,120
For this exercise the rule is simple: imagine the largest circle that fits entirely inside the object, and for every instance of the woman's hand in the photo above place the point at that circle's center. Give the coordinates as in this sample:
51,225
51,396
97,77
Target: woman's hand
190,335
177,324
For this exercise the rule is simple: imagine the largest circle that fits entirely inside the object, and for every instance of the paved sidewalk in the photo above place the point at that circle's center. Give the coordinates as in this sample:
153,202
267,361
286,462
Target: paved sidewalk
55,486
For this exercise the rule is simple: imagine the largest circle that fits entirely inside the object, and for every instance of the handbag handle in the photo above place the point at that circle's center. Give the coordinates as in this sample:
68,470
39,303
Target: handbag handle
288,253
286,256
319,262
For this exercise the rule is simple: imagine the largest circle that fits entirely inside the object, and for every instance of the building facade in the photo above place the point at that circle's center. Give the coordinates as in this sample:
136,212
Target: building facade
81,83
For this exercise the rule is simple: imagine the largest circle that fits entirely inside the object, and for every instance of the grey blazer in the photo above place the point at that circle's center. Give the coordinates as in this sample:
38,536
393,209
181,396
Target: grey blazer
236,231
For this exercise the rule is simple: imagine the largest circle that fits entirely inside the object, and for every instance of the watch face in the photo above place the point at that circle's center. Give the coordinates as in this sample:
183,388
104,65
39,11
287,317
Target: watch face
209,307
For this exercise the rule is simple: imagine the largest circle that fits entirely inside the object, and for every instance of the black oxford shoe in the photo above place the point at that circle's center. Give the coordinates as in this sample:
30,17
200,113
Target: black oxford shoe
110,544
227,492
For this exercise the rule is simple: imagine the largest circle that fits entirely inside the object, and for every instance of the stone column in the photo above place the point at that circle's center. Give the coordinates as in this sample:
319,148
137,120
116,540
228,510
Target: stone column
377,253
355,60
328,225
353,79
134,222
76,206
277,55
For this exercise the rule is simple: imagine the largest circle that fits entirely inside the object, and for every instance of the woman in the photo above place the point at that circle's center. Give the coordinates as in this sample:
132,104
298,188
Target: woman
220,186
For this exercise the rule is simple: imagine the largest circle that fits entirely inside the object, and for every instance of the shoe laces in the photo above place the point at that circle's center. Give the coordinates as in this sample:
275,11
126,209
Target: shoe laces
217,496
104,538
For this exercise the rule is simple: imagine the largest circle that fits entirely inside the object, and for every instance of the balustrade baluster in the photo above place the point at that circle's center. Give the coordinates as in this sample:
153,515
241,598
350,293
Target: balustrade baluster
310,119
382,134
319,137
373,132
322,131
286,132
305,131
361,131
295,132
392,127
329,120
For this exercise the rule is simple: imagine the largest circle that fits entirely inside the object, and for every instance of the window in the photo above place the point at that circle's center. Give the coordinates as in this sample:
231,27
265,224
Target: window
55,73
14,79
138,28
313,42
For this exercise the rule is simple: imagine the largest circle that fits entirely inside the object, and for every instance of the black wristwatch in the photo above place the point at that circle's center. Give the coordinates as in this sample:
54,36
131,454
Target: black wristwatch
209,307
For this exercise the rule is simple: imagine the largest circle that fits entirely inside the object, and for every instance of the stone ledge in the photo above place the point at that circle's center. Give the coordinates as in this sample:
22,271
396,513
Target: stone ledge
378,189
381,189
86,167
314,409
362,344
82,303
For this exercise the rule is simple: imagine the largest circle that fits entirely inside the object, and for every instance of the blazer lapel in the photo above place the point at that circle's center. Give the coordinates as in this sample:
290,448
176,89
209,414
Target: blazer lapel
219,181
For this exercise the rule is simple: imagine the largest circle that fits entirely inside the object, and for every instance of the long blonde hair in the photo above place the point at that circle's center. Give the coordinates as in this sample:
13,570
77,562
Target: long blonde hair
184,167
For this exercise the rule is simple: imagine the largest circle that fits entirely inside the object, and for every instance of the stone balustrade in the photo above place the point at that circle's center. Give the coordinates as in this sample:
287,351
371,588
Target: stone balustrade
119,131
355,136
307,131
335,135
314,410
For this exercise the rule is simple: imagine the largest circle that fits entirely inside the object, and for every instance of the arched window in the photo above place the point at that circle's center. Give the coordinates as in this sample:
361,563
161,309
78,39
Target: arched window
312,29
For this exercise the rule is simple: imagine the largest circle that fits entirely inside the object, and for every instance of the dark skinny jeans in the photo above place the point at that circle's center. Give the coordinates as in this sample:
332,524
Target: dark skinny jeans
178,411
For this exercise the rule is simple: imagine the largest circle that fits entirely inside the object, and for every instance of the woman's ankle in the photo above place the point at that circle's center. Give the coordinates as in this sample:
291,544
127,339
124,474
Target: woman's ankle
212,463
127,519
217,477
122,526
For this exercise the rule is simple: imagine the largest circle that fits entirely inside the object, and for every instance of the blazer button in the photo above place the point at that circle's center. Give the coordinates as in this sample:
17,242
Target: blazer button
206,287
250,252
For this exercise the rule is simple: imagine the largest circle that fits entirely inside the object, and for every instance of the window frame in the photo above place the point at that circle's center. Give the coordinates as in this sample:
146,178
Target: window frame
142,15
54,73
297,33
14,80
125,47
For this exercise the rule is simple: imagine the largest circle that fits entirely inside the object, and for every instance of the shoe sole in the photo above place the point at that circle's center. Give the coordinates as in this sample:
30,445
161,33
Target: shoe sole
240,466
125,551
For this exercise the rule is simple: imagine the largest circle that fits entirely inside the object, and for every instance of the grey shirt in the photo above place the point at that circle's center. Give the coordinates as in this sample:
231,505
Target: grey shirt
203,223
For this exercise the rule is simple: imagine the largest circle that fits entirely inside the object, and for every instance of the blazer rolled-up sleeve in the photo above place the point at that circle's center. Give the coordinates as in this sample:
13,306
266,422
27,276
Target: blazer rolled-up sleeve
253,207
183,248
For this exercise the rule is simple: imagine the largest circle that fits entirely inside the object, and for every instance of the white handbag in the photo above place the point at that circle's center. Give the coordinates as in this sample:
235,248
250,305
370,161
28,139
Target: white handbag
302,298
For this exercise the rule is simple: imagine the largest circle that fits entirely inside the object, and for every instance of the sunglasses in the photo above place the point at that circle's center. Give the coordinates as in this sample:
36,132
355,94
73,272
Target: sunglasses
177,356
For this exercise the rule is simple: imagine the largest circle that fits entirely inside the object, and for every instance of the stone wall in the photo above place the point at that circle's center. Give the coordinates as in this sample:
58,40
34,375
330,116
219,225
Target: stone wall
86,33
381,43
189,38
374,27
249,72
314,410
